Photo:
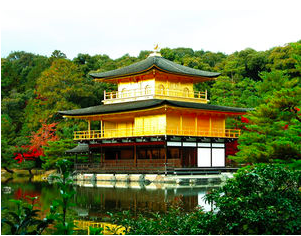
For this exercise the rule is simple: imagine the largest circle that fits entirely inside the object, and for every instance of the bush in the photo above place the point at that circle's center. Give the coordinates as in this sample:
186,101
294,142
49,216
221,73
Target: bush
261,199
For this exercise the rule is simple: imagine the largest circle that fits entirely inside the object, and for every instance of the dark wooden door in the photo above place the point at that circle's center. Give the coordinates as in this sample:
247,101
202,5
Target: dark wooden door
189,157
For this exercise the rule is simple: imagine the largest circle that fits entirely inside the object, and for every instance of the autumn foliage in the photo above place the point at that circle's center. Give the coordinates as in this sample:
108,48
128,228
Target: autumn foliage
38,140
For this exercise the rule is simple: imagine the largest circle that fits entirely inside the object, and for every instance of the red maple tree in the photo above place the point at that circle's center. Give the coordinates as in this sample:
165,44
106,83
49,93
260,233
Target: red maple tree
38,139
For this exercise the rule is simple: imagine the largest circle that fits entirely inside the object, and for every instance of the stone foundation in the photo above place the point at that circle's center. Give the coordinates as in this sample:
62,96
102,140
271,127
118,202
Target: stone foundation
138,179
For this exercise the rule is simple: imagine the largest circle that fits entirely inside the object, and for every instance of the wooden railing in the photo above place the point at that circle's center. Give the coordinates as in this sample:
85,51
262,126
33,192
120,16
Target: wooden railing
168,93
137,132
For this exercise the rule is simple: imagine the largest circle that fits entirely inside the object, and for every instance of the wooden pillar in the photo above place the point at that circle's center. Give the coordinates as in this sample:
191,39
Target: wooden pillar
75,162
165,157
135,155
224,126
89,129
101,129
211,153
195,157
181,153
210,126
196,124
101,155
181,124
90,156
165,153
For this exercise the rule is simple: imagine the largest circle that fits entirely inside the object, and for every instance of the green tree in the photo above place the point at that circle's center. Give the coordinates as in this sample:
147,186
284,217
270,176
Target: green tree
228,92
144,54
284,58
275,126
260,199
58,54
20,70
61,87
7,155
13,107
9,77
55,151
168,53
125,60
212,59
86,63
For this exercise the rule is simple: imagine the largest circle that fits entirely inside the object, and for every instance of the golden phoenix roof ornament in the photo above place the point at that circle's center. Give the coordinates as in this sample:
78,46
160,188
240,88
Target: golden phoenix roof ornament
156,52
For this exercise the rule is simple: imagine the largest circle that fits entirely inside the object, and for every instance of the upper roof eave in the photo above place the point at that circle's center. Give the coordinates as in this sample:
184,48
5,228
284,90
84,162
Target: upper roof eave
150,63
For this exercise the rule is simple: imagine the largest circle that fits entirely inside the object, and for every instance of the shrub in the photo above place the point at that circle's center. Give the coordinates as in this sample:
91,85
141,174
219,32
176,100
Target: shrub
261,199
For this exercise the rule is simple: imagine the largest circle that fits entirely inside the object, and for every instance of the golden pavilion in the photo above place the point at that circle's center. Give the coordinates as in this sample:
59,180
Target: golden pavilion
155,121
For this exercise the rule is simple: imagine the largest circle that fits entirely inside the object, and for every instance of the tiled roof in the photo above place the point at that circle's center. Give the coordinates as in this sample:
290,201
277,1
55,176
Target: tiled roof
151,62
80,148
145,104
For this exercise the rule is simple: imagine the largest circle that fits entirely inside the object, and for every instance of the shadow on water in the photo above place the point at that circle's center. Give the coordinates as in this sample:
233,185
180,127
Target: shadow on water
93,201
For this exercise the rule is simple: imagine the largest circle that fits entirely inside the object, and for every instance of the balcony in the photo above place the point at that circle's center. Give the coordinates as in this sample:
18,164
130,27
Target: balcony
139,132
154,93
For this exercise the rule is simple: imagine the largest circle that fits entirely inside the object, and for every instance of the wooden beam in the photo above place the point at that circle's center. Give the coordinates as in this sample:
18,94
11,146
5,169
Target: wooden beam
155,143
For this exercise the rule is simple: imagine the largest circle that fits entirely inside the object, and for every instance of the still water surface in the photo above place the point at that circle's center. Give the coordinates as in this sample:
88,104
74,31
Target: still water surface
93,201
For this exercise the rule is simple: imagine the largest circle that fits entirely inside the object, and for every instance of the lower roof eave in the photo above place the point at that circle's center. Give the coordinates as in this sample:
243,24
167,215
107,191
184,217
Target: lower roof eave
149,104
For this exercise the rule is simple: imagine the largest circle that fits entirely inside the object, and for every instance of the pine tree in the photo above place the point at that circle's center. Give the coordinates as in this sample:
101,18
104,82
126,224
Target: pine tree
274,129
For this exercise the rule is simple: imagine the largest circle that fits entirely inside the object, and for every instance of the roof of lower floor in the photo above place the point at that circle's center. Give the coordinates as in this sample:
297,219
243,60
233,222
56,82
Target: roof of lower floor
80,148
146,104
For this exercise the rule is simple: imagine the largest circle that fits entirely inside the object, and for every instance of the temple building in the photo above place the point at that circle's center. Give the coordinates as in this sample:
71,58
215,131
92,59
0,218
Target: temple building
155,120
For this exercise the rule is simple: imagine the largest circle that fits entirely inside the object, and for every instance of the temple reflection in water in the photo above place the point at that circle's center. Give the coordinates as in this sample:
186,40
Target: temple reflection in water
94,201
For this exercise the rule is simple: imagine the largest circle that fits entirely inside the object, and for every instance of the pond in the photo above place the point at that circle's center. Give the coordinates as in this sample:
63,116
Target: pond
94,200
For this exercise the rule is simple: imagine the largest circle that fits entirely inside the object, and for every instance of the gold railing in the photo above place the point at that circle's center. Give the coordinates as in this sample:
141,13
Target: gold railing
134,93
136,132
108,228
